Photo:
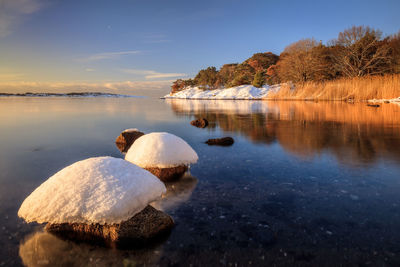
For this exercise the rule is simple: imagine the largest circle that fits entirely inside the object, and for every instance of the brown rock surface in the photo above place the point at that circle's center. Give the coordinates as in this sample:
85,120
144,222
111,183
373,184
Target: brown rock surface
126,139
200,123
168,174
225,141
140,229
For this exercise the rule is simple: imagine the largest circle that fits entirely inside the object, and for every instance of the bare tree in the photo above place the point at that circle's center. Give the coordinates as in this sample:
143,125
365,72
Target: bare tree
361,51
303,61
394,43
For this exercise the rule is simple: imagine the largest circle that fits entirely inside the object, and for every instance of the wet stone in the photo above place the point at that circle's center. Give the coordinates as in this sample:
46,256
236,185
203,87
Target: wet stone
225,141
140,229
168,174
126,139
200,123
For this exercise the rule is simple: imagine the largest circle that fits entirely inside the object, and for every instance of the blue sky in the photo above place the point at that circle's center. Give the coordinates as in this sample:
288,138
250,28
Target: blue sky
154,42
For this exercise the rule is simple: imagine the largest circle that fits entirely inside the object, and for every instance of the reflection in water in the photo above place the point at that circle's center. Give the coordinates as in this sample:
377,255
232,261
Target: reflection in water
178,192
252,201
354,133
44,249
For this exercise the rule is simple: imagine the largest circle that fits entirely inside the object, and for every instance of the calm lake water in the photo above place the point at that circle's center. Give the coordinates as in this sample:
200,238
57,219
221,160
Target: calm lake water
304,183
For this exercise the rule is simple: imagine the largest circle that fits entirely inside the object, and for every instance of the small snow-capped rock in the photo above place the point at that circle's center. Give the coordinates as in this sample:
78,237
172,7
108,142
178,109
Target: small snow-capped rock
162,150
165,155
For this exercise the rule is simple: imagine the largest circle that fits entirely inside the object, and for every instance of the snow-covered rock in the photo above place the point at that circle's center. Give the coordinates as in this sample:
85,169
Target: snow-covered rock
163,154
162,150
101,190
244,92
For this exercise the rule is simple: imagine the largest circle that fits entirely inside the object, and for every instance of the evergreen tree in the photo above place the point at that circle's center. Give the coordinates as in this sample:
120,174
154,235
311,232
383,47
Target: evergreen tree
259,80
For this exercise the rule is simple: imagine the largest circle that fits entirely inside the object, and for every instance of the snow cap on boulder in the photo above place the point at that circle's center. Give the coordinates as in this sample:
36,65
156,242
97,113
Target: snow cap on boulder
95,190
161,150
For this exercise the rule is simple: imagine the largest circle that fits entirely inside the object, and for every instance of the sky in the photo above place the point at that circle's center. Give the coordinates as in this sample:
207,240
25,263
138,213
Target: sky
133,45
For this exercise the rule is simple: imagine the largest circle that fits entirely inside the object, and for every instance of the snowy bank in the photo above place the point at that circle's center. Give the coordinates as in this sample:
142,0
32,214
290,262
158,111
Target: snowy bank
249,92
393,100
243,92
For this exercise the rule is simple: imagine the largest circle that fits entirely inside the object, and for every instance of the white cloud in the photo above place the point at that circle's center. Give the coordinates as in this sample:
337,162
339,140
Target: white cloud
151,74
12,12
107,55
89,69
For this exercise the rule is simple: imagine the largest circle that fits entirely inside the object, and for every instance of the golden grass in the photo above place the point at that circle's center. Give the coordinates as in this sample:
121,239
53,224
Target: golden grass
358,89
339,112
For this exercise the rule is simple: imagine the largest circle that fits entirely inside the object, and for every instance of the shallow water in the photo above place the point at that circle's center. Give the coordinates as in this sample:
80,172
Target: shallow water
304,183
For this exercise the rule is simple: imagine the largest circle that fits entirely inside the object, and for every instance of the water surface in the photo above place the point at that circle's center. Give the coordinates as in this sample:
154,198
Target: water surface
305,183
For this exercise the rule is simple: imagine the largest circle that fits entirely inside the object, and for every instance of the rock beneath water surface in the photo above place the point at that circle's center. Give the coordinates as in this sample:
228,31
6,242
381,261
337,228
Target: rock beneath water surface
225,141
373,105
200,123
168,174
126,139
140,229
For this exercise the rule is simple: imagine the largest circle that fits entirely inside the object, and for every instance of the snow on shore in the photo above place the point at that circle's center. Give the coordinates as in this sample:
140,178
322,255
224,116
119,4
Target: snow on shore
393,100
242,92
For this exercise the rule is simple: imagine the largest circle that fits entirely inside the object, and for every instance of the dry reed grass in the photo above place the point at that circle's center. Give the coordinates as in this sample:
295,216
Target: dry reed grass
340,112
357,89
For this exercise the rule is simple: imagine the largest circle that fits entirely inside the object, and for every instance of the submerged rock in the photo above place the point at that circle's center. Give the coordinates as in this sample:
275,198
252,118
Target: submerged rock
126,139
225,141
141,228
168,174
200,123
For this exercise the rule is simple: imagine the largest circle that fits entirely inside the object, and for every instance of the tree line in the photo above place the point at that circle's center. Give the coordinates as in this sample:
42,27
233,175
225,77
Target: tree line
357,51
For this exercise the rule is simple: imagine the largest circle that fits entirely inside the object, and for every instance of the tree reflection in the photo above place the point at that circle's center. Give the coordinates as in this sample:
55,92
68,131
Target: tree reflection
354,133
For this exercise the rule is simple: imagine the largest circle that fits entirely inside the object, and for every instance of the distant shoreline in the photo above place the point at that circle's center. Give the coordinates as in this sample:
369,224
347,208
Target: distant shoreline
72,94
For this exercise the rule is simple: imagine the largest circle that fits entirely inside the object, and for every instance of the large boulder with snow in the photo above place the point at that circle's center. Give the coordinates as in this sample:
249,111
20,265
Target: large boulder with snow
126,139
165,155
93,192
